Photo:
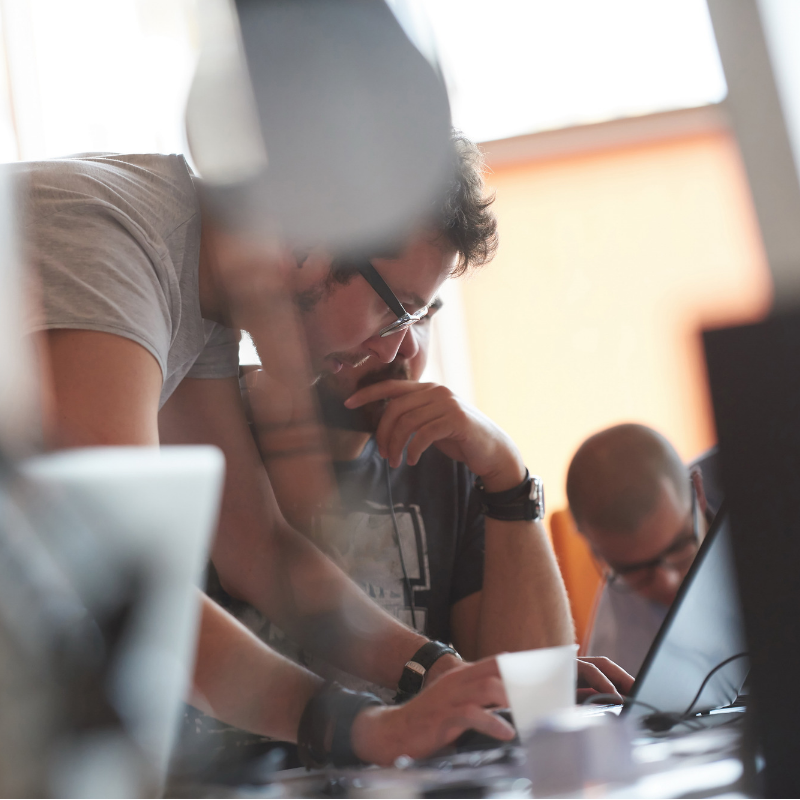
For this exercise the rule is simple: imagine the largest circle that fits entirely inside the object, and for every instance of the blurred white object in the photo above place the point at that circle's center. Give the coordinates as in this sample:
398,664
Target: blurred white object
317,122
757,43
153,512
19,407
538,683
223,123
576,748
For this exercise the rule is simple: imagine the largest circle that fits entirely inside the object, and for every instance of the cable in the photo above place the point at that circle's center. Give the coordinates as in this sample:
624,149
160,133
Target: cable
657,721
662,720
708,678
406,579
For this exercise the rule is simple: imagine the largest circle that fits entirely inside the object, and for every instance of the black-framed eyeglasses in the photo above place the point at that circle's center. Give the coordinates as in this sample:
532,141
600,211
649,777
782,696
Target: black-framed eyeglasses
404,319
677,556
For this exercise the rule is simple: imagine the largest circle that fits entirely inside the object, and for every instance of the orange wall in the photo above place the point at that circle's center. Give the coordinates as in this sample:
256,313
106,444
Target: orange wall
609,264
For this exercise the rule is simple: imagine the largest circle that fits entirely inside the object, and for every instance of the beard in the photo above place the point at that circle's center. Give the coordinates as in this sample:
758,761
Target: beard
366,418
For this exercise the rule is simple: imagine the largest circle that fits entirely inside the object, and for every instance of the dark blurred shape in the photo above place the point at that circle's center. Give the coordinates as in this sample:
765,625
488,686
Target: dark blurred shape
65,610
354,123
755,387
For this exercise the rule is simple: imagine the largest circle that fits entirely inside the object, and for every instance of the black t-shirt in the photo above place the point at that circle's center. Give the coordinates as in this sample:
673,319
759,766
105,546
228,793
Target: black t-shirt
442,538
441,535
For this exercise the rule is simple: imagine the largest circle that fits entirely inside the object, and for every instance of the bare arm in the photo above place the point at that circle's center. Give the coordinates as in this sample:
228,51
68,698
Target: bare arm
105,392
244,683
263,561
241,681
523,603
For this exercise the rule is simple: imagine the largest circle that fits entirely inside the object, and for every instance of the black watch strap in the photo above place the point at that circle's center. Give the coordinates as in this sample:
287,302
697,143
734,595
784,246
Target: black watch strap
415,670
522,502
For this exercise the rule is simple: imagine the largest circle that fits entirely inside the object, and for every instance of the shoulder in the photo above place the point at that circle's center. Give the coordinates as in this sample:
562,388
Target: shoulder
160,183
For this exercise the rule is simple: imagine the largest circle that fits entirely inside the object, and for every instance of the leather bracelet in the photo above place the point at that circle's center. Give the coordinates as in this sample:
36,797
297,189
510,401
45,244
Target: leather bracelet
324,733
416,669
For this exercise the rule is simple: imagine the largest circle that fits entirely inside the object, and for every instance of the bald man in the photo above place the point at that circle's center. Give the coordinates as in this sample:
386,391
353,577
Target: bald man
643,513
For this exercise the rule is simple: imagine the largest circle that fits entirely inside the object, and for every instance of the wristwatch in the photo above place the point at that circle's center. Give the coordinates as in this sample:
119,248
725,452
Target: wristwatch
523,502
415,670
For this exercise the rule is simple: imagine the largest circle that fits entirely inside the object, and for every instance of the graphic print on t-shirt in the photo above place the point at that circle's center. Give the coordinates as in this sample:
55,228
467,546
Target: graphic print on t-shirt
364,545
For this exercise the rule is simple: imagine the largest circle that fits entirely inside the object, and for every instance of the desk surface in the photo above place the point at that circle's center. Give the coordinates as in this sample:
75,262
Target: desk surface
701,763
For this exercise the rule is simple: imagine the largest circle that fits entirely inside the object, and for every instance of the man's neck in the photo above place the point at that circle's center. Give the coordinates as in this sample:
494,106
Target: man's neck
346,445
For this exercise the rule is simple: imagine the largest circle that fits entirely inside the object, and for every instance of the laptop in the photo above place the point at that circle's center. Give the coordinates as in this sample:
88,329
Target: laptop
698,661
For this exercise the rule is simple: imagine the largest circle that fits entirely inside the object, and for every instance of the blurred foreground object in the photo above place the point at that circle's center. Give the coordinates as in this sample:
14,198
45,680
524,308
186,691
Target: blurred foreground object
753,378
313,124
317,122
19,405
757,41
755,387
101,553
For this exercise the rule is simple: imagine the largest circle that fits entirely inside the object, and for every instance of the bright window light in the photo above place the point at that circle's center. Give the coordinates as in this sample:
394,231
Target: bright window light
518,67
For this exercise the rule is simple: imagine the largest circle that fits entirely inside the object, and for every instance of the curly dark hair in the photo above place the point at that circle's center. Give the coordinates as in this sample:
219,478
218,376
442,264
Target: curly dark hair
460,215
464,218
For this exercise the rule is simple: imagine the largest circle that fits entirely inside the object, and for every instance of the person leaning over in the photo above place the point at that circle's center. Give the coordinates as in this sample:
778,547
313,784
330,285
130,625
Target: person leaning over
142,350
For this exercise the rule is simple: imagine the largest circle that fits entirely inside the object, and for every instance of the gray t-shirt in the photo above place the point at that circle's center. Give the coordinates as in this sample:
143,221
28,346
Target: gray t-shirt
116,242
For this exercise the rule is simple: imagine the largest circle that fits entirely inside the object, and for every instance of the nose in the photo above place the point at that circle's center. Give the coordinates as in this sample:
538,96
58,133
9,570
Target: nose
385,348
409,347
665,585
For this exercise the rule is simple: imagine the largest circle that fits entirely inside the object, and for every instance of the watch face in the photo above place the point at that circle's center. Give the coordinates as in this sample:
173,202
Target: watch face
537,495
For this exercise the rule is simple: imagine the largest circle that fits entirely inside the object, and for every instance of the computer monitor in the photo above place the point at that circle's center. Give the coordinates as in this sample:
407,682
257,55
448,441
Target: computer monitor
755,388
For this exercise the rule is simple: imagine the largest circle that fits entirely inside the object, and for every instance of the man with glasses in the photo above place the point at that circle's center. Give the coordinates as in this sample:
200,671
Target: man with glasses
139,310
643,513
411,529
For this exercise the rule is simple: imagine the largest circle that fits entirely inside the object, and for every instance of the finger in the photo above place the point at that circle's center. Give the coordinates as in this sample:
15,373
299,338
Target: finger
394,411
457,721
582,695
413,423
489,723
614,672
425,436
385,390
590,677
410,413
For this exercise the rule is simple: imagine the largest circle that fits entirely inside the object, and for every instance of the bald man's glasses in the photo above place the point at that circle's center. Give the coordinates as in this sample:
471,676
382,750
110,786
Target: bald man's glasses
676,557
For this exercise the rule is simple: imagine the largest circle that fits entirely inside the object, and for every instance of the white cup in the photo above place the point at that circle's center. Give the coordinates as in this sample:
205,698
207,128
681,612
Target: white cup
539,683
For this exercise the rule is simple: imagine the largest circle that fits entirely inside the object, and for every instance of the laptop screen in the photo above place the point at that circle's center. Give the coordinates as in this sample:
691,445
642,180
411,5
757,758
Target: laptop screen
697,660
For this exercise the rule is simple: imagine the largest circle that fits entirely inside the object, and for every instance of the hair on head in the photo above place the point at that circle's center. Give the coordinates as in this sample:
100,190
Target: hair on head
461,216
616,477
465,219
